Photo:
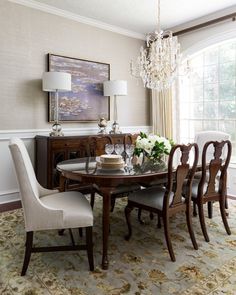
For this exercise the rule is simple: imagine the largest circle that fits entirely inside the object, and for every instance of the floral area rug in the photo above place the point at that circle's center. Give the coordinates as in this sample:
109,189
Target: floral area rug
139,266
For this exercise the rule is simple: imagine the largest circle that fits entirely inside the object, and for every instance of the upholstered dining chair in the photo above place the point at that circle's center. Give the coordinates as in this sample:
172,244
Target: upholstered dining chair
169,200
201,138
97,148
49,209
212,184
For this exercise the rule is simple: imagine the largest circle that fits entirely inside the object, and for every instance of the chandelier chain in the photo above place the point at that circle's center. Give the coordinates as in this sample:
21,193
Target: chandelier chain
158,16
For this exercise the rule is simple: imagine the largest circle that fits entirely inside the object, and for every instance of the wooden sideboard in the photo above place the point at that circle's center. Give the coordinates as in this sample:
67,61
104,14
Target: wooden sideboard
52,150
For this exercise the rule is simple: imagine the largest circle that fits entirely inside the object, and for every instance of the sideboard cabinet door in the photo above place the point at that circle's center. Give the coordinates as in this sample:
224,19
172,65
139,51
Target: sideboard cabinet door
52,150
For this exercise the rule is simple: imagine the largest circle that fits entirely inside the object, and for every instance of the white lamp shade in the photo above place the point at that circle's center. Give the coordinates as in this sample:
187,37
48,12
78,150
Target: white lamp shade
56,81
115,87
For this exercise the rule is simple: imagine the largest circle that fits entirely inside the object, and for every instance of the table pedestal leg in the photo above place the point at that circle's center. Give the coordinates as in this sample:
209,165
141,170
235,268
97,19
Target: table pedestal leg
106,225
62,184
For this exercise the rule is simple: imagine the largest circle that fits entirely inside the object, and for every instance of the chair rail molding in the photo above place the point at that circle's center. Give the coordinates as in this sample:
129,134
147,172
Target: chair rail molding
31,133
8,182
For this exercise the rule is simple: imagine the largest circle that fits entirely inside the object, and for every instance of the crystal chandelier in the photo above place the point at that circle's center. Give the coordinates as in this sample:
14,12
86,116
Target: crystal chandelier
157,63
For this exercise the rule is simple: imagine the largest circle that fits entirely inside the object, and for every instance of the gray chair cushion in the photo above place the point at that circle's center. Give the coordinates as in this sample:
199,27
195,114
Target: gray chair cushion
125,189
196,183
151,197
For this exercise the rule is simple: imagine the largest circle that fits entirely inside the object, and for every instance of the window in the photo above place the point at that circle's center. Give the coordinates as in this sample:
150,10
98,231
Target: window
207,99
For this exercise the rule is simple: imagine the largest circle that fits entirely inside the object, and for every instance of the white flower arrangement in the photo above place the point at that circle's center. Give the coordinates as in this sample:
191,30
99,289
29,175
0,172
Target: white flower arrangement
152,146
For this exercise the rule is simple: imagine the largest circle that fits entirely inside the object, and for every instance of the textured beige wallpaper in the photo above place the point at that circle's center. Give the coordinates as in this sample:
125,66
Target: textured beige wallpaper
27,35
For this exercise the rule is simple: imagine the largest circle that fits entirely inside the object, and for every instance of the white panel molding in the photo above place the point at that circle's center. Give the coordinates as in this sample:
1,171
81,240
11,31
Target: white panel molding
8,183
31,133
78,18
8,198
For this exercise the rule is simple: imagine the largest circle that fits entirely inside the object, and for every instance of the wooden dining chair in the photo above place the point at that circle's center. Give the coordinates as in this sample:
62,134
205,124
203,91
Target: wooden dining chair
211,187
97,148
200,139
169,200
96,144
46,209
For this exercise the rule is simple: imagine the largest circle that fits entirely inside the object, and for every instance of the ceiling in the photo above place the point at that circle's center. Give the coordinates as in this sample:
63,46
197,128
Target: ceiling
140,16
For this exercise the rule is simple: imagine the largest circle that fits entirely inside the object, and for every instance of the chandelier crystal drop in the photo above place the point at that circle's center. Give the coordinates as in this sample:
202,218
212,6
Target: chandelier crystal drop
157,63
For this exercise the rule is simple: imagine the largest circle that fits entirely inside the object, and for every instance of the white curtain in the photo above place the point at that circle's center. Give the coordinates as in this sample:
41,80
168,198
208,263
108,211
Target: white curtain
162,118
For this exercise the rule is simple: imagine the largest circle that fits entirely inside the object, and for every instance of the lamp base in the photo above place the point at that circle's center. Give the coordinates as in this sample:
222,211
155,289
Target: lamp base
56,130
115,128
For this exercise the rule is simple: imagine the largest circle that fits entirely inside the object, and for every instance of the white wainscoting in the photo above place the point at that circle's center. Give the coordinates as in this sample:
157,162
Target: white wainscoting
8,184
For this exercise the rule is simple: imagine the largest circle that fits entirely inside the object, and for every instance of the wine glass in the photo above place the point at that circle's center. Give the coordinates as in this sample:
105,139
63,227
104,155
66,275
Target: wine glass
119,148
109,148
129,149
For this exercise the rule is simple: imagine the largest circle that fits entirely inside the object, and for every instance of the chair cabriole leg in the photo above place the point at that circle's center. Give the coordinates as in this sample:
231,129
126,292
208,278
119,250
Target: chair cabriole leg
92,198
202,222
223,215
28,249
190,228
159,221
210,209
194,209
89,242
167,236
127,216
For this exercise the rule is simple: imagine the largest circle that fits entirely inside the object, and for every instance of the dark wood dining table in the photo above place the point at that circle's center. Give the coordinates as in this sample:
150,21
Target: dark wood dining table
87,171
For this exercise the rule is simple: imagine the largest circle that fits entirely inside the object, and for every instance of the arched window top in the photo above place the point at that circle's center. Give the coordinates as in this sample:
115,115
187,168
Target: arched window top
209,42
207,98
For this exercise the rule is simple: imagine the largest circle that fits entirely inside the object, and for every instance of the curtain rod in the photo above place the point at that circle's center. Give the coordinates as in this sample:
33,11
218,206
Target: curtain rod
206,24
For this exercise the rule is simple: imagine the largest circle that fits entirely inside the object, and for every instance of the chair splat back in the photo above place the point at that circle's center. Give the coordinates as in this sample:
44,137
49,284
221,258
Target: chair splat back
182,172
217,168
204,136
96,145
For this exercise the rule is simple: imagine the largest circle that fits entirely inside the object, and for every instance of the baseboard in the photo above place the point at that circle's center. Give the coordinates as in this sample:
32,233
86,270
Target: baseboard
9,197
10,206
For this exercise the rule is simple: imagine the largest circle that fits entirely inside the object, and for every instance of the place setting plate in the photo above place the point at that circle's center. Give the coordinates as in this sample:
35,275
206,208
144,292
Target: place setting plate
110,162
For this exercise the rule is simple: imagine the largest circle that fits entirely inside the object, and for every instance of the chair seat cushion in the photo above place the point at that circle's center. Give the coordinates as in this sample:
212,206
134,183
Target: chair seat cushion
151,197
195,187
77,211
198,175
122,189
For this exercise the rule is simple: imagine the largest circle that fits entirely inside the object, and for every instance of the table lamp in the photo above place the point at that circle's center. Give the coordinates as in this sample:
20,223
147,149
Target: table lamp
115,87
56,82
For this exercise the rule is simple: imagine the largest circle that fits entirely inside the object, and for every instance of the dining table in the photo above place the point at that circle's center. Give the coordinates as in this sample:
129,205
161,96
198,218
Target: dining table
89,171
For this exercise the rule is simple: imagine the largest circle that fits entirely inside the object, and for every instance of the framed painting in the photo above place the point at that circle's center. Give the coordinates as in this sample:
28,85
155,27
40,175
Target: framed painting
85,103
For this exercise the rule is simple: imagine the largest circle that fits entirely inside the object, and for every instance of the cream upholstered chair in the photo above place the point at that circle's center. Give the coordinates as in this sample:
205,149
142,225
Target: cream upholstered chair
49,209
200,139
